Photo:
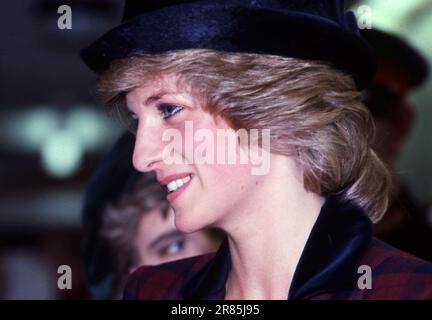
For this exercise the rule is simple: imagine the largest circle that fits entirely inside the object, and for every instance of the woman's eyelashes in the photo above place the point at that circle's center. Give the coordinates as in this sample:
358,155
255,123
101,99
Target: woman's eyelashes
168,110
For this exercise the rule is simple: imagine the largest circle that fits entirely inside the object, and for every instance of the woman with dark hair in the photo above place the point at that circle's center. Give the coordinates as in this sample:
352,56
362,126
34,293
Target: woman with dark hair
128,223
290,70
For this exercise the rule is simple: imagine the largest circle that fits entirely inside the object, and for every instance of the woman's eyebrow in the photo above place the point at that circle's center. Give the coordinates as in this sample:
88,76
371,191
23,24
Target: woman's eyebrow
163,237
155,97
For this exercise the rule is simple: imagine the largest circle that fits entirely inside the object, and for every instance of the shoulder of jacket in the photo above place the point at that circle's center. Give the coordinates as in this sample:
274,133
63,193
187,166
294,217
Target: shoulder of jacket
381,254
397,274
163,281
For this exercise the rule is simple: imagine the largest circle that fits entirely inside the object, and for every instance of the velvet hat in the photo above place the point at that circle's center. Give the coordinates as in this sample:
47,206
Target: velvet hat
319,30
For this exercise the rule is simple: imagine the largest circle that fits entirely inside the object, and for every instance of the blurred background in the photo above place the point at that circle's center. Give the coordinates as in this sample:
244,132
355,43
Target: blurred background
53,132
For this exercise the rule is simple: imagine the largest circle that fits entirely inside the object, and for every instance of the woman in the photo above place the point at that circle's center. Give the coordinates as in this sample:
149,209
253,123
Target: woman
301,230
128,224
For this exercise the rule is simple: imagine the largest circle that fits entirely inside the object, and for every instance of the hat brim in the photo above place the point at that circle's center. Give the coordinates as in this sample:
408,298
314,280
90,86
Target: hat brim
235,29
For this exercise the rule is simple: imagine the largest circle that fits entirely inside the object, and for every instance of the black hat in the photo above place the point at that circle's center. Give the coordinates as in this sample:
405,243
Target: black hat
392,49
318,30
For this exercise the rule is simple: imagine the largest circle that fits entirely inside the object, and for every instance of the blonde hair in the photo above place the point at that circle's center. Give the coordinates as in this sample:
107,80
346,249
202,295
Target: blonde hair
314,113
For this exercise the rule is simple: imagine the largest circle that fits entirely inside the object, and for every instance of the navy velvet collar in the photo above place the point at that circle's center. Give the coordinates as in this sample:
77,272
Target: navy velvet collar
328,262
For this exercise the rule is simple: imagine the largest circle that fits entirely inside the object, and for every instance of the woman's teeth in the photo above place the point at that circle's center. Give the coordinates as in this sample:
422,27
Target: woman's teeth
175,184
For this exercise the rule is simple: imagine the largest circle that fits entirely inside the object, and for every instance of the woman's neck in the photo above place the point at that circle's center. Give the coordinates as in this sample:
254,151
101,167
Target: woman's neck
269,238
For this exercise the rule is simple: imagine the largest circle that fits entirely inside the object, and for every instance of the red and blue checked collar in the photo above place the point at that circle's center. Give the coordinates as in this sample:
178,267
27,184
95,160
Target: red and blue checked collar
329,261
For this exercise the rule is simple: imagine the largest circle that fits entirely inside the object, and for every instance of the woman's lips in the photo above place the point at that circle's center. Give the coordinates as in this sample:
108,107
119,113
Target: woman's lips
167,179
173,195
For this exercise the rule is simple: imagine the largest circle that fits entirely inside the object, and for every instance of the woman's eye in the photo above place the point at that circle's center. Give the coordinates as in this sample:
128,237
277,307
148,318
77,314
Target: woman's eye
168,110
173,248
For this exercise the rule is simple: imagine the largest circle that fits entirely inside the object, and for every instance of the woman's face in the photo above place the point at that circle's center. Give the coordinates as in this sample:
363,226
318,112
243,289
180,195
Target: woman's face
158,241
204,194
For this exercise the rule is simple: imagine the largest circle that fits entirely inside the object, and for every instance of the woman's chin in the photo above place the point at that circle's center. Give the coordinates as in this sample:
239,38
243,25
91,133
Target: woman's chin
186,224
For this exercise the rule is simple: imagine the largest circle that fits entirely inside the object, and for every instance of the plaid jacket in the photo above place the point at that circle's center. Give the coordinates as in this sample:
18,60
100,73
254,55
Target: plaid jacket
336,262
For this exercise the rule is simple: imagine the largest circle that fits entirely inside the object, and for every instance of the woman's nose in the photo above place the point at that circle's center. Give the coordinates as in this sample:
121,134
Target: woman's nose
147,155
